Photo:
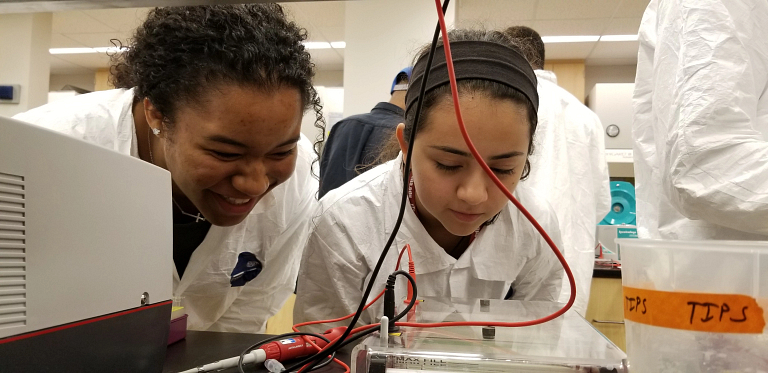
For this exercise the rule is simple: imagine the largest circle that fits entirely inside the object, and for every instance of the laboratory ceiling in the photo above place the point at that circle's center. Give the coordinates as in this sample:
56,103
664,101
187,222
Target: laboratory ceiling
324,21
563,18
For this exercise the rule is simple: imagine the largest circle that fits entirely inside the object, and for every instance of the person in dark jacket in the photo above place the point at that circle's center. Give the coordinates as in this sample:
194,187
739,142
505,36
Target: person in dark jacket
355,143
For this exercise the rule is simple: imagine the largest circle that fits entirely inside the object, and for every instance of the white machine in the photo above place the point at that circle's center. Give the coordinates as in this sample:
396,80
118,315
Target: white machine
566,344
85,255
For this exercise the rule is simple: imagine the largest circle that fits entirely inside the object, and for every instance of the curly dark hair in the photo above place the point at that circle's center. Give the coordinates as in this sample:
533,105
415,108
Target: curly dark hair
179,51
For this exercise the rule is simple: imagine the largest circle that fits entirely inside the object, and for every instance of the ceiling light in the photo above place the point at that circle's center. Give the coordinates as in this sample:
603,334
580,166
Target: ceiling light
570,38
71,50
316,45
618,38
109,49
307,44
84,50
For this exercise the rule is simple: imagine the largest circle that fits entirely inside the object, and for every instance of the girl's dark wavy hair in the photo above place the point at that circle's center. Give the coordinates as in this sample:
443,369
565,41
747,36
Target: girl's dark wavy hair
179,53
477,86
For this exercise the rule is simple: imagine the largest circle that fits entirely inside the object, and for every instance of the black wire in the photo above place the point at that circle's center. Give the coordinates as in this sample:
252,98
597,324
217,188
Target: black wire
413,299
398,317
279,337
372,329
353,338
359,335
324,363
312,360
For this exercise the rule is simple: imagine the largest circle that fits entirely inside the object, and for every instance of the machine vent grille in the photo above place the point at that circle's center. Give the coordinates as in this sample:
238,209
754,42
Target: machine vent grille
13,250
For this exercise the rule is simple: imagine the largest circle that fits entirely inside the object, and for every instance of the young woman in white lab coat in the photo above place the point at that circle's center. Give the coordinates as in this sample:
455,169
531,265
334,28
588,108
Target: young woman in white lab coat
468,240
215,95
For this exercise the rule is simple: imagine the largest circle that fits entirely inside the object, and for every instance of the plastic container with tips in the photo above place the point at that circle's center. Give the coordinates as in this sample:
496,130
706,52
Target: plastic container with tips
695,306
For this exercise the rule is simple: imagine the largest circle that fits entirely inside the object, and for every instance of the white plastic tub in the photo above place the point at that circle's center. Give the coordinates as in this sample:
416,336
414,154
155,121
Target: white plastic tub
695,306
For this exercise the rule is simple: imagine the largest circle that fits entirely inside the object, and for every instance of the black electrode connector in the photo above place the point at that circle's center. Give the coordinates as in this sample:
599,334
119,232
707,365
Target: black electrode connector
489,332
389,301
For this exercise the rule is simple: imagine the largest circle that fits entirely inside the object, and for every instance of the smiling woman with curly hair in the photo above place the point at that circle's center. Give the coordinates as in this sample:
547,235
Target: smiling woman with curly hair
215,95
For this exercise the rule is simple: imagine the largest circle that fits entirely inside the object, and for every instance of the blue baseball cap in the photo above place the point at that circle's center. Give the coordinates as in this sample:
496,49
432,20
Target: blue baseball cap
401,87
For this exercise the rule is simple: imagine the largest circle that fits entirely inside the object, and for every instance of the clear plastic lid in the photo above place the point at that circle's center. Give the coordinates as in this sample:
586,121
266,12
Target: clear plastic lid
567,343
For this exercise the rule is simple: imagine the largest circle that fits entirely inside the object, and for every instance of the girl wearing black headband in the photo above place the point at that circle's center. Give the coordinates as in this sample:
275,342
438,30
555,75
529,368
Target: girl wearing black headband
468,240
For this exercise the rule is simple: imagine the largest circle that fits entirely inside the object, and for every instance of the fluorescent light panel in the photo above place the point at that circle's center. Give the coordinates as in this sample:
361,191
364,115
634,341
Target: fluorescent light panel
587,38
316,45
570,38
324,44
618,38
84,50
307,44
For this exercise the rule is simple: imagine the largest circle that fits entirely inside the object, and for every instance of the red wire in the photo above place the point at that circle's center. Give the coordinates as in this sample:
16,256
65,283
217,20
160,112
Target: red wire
295,327
410,255
500,185
356,330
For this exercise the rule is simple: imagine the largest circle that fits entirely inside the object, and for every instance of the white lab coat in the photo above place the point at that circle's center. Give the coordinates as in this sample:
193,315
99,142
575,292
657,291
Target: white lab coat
701,120
568,168
355,220
275,231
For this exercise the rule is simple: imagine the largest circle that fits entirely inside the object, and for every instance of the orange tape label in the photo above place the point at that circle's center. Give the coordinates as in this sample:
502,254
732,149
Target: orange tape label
718,313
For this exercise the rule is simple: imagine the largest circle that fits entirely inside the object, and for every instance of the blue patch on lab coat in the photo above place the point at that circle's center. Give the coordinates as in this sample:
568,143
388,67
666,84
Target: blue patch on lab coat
246,269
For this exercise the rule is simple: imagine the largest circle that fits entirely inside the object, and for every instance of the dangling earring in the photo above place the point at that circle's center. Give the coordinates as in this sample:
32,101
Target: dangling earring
155,131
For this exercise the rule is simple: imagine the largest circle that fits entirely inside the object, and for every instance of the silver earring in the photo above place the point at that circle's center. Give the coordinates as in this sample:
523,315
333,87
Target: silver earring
156,131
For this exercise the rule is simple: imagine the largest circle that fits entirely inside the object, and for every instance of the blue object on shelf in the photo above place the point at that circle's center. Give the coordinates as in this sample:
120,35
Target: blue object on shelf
622,205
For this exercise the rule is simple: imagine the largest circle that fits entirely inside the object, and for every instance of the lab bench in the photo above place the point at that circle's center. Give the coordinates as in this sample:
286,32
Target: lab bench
200,348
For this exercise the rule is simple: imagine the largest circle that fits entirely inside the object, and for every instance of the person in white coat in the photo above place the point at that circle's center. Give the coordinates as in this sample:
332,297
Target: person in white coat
215,95
701,120
568,167
468,240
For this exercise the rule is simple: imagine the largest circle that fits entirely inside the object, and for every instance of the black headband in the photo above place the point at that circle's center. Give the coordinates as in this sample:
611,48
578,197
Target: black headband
482,60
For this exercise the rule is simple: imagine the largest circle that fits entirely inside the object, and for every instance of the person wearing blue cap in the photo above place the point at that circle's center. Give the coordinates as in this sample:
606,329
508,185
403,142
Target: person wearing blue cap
355,142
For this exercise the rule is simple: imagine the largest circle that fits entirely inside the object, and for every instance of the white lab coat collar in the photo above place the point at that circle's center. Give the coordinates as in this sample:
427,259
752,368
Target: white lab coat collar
546,75
483,256
199,260
127,127
213,242
427,254
499,251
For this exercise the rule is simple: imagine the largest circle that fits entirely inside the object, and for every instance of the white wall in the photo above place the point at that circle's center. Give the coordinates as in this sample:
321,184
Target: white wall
614,74
84,81
382,38
333,105
329,78
607,74
24,58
